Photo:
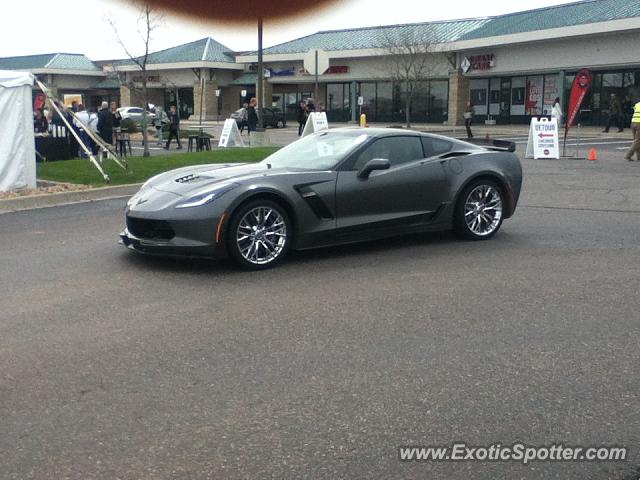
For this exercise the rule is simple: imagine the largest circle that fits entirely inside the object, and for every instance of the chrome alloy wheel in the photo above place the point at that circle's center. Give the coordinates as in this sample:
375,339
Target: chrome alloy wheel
483,210
261,235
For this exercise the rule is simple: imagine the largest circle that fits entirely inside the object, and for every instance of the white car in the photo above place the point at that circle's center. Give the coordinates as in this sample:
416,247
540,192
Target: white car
135,114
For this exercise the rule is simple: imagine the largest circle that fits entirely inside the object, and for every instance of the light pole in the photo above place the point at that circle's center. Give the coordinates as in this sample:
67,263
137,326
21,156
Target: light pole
260,79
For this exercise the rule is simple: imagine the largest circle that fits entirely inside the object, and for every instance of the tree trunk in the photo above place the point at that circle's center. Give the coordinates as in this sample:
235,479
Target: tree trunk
145,99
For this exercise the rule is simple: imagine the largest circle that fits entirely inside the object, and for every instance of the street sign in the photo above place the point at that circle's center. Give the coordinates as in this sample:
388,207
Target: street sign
230,135
217,92
360,101
243,93
543,139
310,61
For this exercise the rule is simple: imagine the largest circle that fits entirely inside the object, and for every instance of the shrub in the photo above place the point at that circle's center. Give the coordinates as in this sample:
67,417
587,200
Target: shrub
129,125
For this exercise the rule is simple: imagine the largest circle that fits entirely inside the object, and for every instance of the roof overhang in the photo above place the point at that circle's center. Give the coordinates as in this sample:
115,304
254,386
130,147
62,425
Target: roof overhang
179,66
356,53
63,71
610,27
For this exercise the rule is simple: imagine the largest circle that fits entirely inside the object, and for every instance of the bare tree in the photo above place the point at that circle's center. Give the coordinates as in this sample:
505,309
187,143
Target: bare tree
411,60
148,21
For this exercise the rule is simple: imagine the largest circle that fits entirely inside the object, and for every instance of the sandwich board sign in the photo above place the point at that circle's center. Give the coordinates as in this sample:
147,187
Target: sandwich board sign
316,122
543,139
230,135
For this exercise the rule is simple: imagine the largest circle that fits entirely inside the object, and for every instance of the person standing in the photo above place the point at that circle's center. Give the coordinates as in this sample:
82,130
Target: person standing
105,123
243,117
635,128
556,111
40,123
174,127
301,116
615,114
159,121
468,118
252,116
311,106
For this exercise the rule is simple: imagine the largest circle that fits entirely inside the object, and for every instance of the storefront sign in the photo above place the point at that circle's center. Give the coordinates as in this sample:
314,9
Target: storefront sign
581,85
283,73
543,139
478,62
338,69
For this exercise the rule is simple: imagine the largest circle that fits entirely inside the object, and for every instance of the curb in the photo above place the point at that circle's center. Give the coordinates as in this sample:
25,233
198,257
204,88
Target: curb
64,198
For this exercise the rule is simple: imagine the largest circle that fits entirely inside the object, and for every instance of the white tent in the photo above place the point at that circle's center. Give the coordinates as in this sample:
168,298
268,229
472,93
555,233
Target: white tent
17,142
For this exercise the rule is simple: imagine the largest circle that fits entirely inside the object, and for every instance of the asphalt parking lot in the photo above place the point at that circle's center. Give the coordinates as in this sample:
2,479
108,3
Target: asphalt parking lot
120,366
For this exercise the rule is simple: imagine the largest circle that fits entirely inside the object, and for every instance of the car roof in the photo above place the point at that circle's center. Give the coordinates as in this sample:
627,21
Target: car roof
378,132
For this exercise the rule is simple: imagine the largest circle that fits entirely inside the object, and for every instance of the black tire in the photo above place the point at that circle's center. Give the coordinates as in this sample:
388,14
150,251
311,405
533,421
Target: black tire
264,239
472,195
280,124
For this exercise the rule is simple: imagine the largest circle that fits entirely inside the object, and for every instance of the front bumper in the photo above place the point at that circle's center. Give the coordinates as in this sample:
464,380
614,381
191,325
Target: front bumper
171,247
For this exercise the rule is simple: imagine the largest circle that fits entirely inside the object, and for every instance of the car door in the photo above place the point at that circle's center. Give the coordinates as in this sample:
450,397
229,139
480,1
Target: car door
403,197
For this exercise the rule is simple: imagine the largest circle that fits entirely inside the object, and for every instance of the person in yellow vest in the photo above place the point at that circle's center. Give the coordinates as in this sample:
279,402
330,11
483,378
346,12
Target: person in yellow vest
635,128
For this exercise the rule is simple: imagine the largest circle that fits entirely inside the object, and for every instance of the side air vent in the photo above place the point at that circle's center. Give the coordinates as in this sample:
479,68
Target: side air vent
316,204
454,155
187,178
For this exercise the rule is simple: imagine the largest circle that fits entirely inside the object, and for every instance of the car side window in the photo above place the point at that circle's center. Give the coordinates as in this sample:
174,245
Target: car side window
397,150
435,146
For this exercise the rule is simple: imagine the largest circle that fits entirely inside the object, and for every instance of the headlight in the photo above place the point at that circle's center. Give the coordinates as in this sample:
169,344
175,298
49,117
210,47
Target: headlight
207,196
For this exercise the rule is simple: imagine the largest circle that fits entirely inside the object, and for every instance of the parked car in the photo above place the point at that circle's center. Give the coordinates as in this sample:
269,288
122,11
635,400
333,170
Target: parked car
273,117
336,186
135,114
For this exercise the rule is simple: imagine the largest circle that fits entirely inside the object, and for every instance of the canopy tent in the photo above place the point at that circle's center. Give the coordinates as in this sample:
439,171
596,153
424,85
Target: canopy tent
17,142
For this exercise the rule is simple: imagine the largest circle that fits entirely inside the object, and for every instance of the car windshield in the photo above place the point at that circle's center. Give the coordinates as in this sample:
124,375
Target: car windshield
321,151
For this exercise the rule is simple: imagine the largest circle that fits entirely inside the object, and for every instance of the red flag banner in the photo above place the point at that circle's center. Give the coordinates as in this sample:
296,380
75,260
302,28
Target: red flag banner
581,85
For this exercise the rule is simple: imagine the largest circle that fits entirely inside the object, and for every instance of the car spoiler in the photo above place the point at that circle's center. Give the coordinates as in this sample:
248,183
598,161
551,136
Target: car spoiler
492,144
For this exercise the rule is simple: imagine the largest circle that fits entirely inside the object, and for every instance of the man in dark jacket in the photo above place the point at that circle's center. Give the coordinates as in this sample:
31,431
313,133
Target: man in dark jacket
615,114
174,127
105,123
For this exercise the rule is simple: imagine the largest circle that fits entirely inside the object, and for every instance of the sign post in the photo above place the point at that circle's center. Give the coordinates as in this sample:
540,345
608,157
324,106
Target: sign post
543,139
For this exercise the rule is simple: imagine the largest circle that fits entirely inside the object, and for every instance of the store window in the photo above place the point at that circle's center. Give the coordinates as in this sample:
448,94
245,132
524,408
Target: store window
533,104
384,103
479,92
338,102
518,87
439,99
369,106
494,97
551,92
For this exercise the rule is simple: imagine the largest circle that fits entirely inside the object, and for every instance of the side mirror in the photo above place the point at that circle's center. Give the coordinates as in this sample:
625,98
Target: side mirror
373,164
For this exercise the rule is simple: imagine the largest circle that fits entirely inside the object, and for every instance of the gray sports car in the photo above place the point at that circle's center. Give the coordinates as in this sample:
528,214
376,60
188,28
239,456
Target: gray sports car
337,186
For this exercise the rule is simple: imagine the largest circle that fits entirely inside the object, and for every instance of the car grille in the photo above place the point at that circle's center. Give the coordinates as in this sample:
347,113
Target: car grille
152,229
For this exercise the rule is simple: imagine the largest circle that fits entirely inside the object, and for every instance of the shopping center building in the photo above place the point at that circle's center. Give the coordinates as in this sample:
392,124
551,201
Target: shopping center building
511,67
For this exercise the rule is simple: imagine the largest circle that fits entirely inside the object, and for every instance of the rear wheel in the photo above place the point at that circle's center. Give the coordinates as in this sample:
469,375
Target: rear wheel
280,124
259,235
479,211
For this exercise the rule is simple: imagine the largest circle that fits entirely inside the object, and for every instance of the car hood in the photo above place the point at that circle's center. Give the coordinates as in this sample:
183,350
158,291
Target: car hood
191,180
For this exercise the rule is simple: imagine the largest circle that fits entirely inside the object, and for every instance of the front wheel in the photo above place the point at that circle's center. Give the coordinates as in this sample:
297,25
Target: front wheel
280,124
259,235
479,211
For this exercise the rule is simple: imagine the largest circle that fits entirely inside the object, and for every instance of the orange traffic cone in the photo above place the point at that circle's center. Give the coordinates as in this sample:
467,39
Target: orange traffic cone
593,155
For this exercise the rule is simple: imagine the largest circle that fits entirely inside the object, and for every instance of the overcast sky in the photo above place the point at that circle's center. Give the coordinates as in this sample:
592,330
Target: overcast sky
80,26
